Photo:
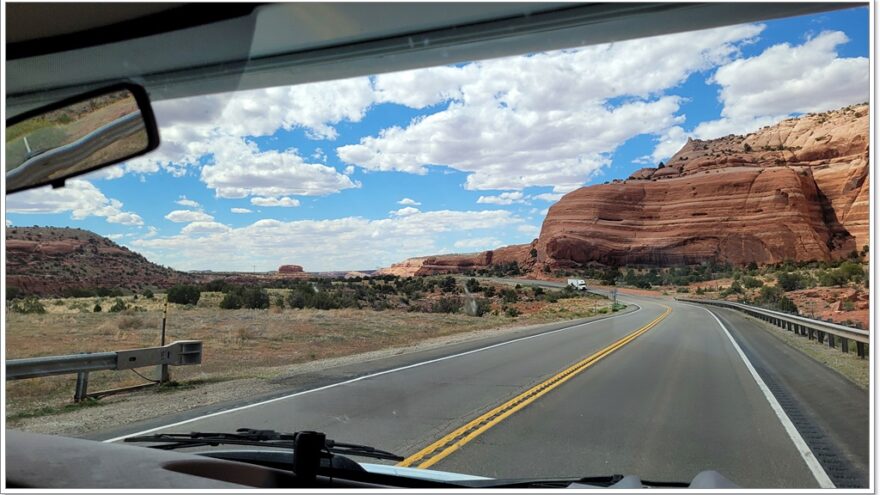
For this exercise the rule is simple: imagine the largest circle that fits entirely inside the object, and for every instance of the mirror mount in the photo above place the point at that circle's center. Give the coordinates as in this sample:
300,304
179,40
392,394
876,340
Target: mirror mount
79,135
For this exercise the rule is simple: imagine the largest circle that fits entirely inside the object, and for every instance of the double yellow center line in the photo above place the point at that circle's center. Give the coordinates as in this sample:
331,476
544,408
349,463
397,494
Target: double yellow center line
435,452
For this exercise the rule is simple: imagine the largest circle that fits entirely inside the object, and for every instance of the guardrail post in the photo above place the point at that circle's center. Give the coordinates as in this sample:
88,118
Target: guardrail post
844,345
860,348
831,341
82,386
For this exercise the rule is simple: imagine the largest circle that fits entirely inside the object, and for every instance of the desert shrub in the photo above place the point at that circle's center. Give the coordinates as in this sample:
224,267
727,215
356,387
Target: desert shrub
129,322
232,300
682,290
279,301
107,292
148,294
245,297
448,284
512,312
489,291
537,291
787,305
473,285
508,295
184,294
217,285
118,305
751,282
78,292
28,305
97,308
483,306
847,305
13,293
446,305
789,281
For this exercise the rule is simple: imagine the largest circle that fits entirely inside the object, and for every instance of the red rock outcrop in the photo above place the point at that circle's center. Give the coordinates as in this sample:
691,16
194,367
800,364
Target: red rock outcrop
459,263
796,190
48,261
739,215
290,269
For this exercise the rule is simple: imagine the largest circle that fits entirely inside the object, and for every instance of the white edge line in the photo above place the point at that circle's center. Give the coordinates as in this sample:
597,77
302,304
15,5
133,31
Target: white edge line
372,375
799,443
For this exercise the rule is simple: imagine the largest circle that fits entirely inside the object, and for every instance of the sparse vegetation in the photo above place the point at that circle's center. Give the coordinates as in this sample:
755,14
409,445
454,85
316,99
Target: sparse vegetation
184,294
28,305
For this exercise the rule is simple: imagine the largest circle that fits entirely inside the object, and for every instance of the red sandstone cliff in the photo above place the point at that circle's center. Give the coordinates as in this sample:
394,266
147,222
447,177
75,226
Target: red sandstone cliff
795,190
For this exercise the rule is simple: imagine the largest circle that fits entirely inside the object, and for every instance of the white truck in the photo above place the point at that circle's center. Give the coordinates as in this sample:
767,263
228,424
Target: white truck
577,283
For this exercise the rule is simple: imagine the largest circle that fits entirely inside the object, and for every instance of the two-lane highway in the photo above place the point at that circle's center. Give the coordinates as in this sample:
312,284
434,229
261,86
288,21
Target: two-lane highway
662,392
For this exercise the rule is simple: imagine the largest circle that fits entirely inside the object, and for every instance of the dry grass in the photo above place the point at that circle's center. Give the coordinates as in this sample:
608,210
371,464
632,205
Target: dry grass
237,343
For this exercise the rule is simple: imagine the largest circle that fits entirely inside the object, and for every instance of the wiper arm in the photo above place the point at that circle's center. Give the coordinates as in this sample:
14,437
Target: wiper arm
253,437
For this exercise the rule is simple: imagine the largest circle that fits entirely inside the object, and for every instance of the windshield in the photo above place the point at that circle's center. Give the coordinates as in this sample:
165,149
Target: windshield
648,257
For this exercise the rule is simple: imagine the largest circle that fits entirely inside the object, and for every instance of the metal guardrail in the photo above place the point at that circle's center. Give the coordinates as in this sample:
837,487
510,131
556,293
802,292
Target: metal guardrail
180,353
821,331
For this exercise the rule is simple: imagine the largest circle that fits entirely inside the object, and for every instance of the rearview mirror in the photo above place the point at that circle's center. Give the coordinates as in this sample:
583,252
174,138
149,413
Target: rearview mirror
78,135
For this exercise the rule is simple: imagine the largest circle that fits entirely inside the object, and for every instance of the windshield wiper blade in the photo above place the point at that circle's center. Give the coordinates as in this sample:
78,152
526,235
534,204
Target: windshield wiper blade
253,437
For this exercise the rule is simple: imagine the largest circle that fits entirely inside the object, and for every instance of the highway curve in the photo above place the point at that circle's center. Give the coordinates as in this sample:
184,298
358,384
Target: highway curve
660,391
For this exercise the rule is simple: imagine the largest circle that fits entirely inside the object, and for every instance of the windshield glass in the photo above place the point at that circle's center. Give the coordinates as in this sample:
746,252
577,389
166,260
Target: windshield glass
498,268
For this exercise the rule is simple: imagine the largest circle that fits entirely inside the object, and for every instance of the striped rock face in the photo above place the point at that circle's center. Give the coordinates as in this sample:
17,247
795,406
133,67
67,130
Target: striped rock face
797,190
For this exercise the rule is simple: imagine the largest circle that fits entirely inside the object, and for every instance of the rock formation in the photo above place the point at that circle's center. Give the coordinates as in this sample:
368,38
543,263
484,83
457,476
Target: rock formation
796,190
290,269
48,261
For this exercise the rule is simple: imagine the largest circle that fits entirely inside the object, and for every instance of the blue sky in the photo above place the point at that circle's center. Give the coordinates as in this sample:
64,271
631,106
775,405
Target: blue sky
364,172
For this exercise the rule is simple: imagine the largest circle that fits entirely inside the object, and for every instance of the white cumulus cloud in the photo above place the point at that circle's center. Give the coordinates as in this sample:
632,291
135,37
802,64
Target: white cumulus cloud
185,216
543,119
285,202
240,169
408,202
183,201
786,79
79,197
506,198
240,210
358,243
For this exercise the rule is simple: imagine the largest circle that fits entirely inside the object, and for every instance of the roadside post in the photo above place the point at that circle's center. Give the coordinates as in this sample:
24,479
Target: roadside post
164,377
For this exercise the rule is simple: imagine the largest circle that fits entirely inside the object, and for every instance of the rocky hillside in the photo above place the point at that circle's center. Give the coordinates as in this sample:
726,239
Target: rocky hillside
795,190
49,261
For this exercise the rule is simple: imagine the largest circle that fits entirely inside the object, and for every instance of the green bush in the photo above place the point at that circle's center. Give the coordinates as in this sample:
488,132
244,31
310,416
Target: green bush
512,312
28,305
245,297
446,305
148,294
751,282
473,285
118,305
790,281
184,294
508,295
97,308
13,293
232,300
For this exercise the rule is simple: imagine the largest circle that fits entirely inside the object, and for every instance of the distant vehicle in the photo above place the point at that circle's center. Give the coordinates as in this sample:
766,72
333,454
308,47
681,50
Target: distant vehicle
577,283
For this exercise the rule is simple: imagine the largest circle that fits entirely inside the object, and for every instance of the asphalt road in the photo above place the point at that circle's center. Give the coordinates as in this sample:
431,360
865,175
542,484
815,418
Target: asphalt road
676,400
